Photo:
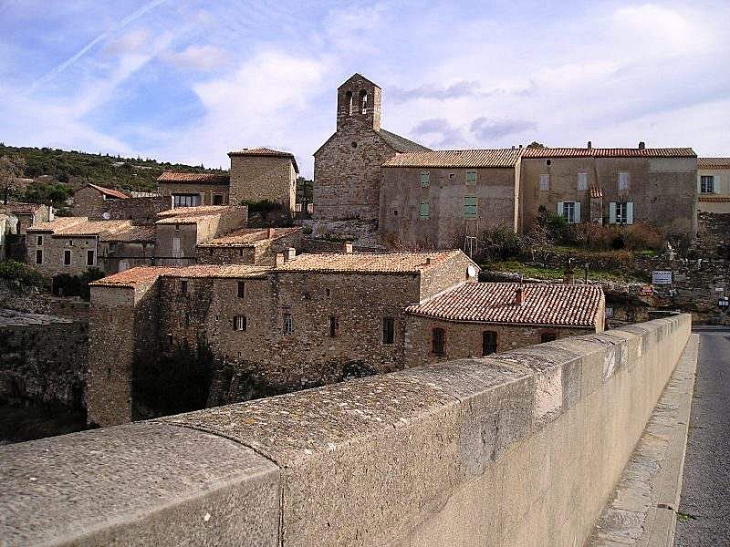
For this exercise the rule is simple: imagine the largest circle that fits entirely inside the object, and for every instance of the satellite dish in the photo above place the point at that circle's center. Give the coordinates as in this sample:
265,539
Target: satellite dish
106,216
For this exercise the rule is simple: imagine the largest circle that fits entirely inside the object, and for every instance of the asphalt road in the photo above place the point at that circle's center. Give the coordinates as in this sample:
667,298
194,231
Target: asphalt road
704,509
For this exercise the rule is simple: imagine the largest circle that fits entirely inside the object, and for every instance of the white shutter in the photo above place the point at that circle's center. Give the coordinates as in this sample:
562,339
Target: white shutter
577,212
560,208
699,184
629,212
612,212
715,184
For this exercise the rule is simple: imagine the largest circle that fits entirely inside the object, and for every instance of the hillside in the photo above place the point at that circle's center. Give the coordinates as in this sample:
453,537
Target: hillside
74,168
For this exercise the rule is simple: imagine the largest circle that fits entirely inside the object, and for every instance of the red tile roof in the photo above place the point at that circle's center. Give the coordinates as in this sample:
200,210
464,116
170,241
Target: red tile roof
132,277
193,178
366,262
596,191
109,191
504,157
713,163
608,152
246,237
219,271
263,151
544,304
21,208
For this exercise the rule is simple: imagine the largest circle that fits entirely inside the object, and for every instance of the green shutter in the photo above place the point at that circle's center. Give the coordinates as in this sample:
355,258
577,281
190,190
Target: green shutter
423,210
471,178
561,211
425,179
470,207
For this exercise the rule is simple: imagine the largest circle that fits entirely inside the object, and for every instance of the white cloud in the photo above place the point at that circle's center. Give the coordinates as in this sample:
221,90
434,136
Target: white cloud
194,57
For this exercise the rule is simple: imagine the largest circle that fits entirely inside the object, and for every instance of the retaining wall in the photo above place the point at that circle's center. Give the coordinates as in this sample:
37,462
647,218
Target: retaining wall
519,449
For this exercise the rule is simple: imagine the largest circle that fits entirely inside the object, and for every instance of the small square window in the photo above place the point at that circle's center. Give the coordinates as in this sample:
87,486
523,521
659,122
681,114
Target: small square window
707,184
425,179
471,178
288,326
388,330
241,289
582,181
334,326
89,258
184,286
438,337
328,292
548,337
239,323
66,258
39,240
39,256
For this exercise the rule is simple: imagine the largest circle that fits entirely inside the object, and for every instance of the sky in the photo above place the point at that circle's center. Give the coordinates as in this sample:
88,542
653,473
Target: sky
188,81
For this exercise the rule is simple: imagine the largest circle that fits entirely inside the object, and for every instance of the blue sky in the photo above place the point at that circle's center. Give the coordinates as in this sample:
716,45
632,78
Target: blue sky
190,80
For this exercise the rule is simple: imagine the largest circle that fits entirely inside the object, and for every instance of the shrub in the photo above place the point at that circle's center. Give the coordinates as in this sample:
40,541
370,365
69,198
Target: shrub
21,277
554,224
634,237
262,206
502,243
76,285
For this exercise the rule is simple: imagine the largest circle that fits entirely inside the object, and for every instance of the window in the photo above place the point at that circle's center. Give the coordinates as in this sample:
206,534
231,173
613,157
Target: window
186,200
39,256
217,199
363,102
437,341
348,102
70,242
623,181
707,184
239,322
489,342
288,326
570,210
582,181
471,178
423,210
544,183
39,240
388,330
621,212
187,319
66,257
548,337
328,292
425,179
241,289
470,207
89,258
184,286
334,326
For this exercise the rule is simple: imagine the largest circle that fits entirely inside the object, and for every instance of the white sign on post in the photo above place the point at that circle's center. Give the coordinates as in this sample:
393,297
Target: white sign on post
661,277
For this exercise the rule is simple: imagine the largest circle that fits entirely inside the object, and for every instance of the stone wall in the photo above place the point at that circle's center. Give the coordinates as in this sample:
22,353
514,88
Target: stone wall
445,227
141,211
89,202
54,249
523,448
663,190
259,178
43,359
464,340
207,192
43,303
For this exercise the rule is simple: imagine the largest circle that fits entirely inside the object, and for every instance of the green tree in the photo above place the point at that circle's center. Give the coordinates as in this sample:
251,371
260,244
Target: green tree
11,167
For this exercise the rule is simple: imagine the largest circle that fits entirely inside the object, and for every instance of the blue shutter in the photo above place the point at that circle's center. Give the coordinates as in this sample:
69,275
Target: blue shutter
629,212
612,212
577,212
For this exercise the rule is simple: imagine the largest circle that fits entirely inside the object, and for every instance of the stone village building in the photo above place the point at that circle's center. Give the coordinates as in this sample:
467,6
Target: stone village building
91,200
314,318
257,174
433,199
713,184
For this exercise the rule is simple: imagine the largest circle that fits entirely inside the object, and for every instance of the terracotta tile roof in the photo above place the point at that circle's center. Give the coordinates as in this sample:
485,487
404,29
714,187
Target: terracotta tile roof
248,237
132,234
401,144
544,304
60,223
193,215
133,277
263,151
366,262
596,191
714,199
193,178
21,208
102,228
504,157
220,271
713,163
608,152
109,191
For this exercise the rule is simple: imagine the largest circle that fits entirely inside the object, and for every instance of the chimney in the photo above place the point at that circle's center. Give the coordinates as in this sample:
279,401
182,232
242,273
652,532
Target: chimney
568,276
642,145
589,145
269,233
290,253
347,248
519,296
279,259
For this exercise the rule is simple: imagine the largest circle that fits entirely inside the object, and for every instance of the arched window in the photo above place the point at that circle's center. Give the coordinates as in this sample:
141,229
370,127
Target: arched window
348,103
363,102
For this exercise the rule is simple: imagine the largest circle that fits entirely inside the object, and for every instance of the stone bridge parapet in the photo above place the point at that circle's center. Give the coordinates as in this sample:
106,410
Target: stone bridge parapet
522,448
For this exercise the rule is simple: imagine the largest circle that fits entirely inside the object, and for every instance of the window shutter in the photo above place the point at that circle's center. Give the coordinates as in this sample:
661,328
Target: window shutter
577,212
699,183
560,208
612,212
715,184
629,212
